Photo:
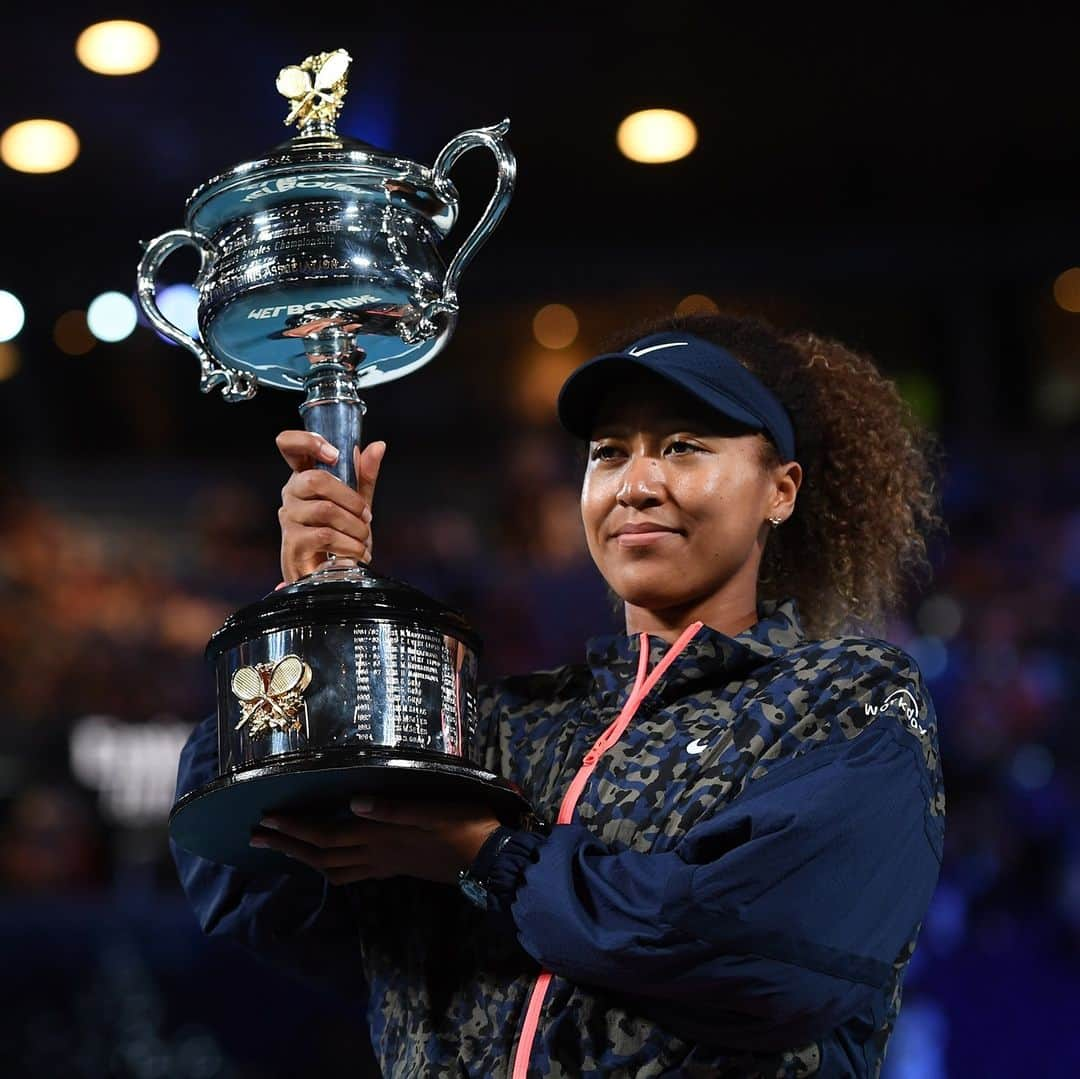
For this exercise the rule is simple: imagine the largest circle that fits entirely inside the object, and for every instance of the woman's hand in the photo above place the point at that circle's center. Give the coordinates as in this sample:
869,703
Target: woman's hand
319,513
391,837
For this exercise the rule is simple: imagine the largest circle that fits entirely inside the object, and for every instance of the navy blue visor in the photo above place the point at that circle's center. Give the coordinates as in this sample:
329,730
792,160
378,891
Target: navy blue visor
706,371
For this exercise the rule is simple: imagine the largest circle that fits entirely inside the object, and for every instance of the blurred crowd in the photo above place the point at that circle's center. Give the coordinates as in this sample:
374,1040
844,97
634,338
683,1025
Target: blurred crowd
105,617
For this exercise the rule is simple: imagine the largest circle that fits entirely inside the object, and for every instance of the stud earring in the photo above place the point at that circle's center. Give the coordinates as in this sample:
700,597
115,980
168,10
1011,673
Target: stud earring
775,521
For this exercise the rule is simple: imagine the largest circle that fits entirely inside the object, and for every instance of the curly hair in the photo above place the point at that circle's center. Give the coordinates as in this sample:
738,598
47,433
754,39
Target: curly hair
870,496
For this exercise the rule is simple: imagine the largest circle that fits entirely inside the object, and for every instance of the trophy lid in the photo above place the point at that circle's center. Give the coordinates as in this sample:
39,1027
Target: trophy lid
318,162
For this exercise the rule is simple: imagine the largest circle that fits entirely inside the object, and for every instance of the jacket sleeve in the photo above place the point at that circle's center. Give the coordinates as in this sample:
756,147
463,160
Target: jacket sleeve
774,920
297,921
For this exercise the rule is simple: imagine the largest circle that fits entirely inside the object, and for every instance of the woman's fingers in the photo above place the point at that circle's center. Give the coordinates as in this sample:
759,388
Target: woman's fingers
316,857
317,833
315,485
429,840
321,513
343,853
318,514
305,449
340,865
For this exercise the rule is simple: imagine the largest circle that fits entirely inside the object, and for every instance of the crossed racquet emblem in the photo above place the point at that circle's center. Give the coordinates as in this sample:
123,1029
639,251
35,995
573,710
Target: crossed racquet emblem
271,695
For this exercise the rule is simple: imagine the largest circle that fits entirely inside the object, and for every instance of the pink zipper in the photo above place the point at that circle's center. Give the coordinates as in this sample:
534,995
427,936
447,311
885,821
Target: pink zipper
642,687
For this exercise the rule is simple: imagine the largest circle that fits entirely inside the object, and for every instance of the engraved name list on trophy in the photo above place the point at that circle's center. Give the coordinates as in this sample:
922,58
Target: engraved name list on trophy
417,674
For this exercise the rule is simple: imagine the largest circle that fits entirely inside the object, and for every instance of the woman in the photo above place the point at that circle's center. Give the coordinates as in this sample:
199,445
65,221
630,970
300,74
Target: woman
745,798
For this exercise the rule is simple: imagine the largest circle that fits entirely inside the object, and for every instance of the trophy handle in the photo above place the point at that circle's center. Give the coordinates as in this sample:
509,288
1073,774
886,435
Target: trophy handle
491,137
235,385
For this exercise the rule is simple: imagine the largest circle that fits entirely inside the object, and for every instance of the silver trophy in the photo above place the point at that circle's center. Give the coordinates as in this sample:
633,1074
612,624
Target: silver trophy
321,272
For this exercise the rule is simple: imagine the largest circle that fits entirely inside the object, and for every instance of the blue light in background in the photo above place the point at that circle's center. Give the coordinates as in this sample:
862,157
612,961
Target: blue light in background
1032,766
180,305
371,108
917,1049
374,123
111,317
931,655
946,919
12,316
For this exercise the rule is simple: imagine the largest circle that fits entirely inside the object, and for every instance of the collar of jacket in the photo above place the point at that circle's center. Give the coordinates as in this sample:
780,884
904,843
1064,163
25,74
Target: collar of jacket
709,656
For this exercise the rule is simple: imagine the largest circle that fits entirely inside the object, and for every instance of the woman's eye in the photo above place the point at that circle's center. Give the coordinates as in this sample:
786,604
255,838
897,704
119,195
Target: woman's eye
681,446
600,453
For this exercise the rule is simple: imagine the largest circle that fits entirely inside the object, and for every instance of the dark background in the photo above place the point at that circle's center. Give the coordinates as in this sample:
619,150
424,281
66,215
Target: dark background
910,187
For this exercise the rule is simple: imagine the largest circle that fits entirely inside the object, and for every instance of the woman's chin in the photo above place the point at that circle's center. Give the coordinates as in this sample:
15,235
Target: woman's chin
653,595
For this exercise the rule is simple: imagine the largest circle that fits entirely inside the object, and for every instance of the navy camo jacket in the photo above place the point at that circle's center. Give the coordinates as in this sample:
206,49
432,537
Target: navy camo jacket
739,894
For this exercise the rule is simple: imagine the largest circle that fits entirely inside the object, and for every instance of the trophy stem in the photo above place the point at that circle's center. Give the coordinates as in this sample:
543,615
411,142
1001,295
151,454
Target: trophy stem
332,407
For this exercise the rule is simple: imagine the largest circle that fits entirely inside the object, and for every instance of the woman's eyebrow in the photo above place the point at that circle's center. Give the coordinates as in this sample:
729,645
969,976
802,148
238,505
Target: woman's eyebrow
676,423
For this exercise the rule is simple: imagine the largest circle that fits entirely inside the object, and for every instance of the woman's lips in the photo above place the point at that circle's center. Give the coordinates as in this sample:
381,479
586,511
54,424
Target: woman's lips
642,539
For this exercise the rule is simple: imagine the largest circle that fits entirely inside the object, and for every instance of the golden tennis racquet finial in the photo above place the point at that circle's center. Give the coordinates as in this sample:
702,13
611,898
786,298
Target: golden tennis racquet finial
315,90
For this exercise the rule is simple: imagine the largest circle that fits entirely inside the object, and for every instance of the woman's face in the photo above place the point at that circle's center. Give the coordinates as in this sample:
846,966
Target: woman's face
659,457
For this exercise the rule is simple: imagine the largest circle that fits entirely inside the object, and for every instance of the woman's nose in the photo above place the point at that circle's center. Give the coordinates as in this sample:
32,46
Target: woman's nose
643,482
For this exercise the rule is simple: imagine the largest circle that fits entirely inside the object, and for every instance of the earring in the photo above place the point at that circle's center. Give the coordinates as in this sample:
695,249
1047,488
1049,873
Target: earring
776,521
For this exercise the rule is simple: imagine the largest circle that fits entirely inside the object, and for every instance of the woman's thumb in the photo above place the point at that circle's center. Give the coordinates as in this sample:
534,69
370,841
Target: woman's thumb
369,461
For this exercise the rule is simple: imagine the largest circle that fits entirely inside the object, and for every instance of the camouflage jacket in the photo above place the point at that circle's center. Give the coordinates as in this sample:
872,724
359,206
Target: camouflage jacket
738,894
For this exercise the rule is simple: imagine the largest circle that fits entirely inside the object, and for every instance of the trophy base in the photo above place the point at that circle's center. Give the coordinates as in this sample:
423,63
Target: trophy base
216,821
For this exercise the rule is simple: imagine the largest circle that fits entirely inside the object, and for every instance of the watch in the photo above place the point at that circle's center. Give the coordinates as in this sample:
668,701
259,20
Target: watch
473,880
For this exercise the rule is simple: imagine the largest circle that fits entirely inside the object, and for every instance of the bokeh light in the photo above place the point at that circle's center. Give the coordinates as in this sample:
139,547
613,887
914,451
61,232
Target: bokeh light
39,146
1032,766
555,326
111,316
696,304
1067,290
931,655
9,360
12,315
117,47
72,335
540,375
180,305
656,136
940,616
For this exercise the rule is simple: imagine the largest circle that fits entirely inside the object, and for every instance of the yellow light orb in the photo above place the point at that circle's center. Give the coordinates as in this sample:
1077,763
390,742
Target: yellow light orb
39,146
9,360
1067,290
555,326
655,136
540,376
117,47
72,335
696,305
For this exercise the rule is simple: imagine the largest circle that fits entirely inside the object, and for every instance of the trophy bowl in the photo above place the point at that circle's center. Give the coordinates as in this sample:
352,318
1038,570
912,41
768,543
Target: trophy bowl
320,271
325,231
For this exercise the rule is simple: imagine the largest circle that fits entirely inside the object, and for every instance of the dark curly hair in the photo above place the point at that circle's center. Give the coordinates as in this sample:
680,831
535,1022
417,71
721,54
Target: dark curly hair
869,500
